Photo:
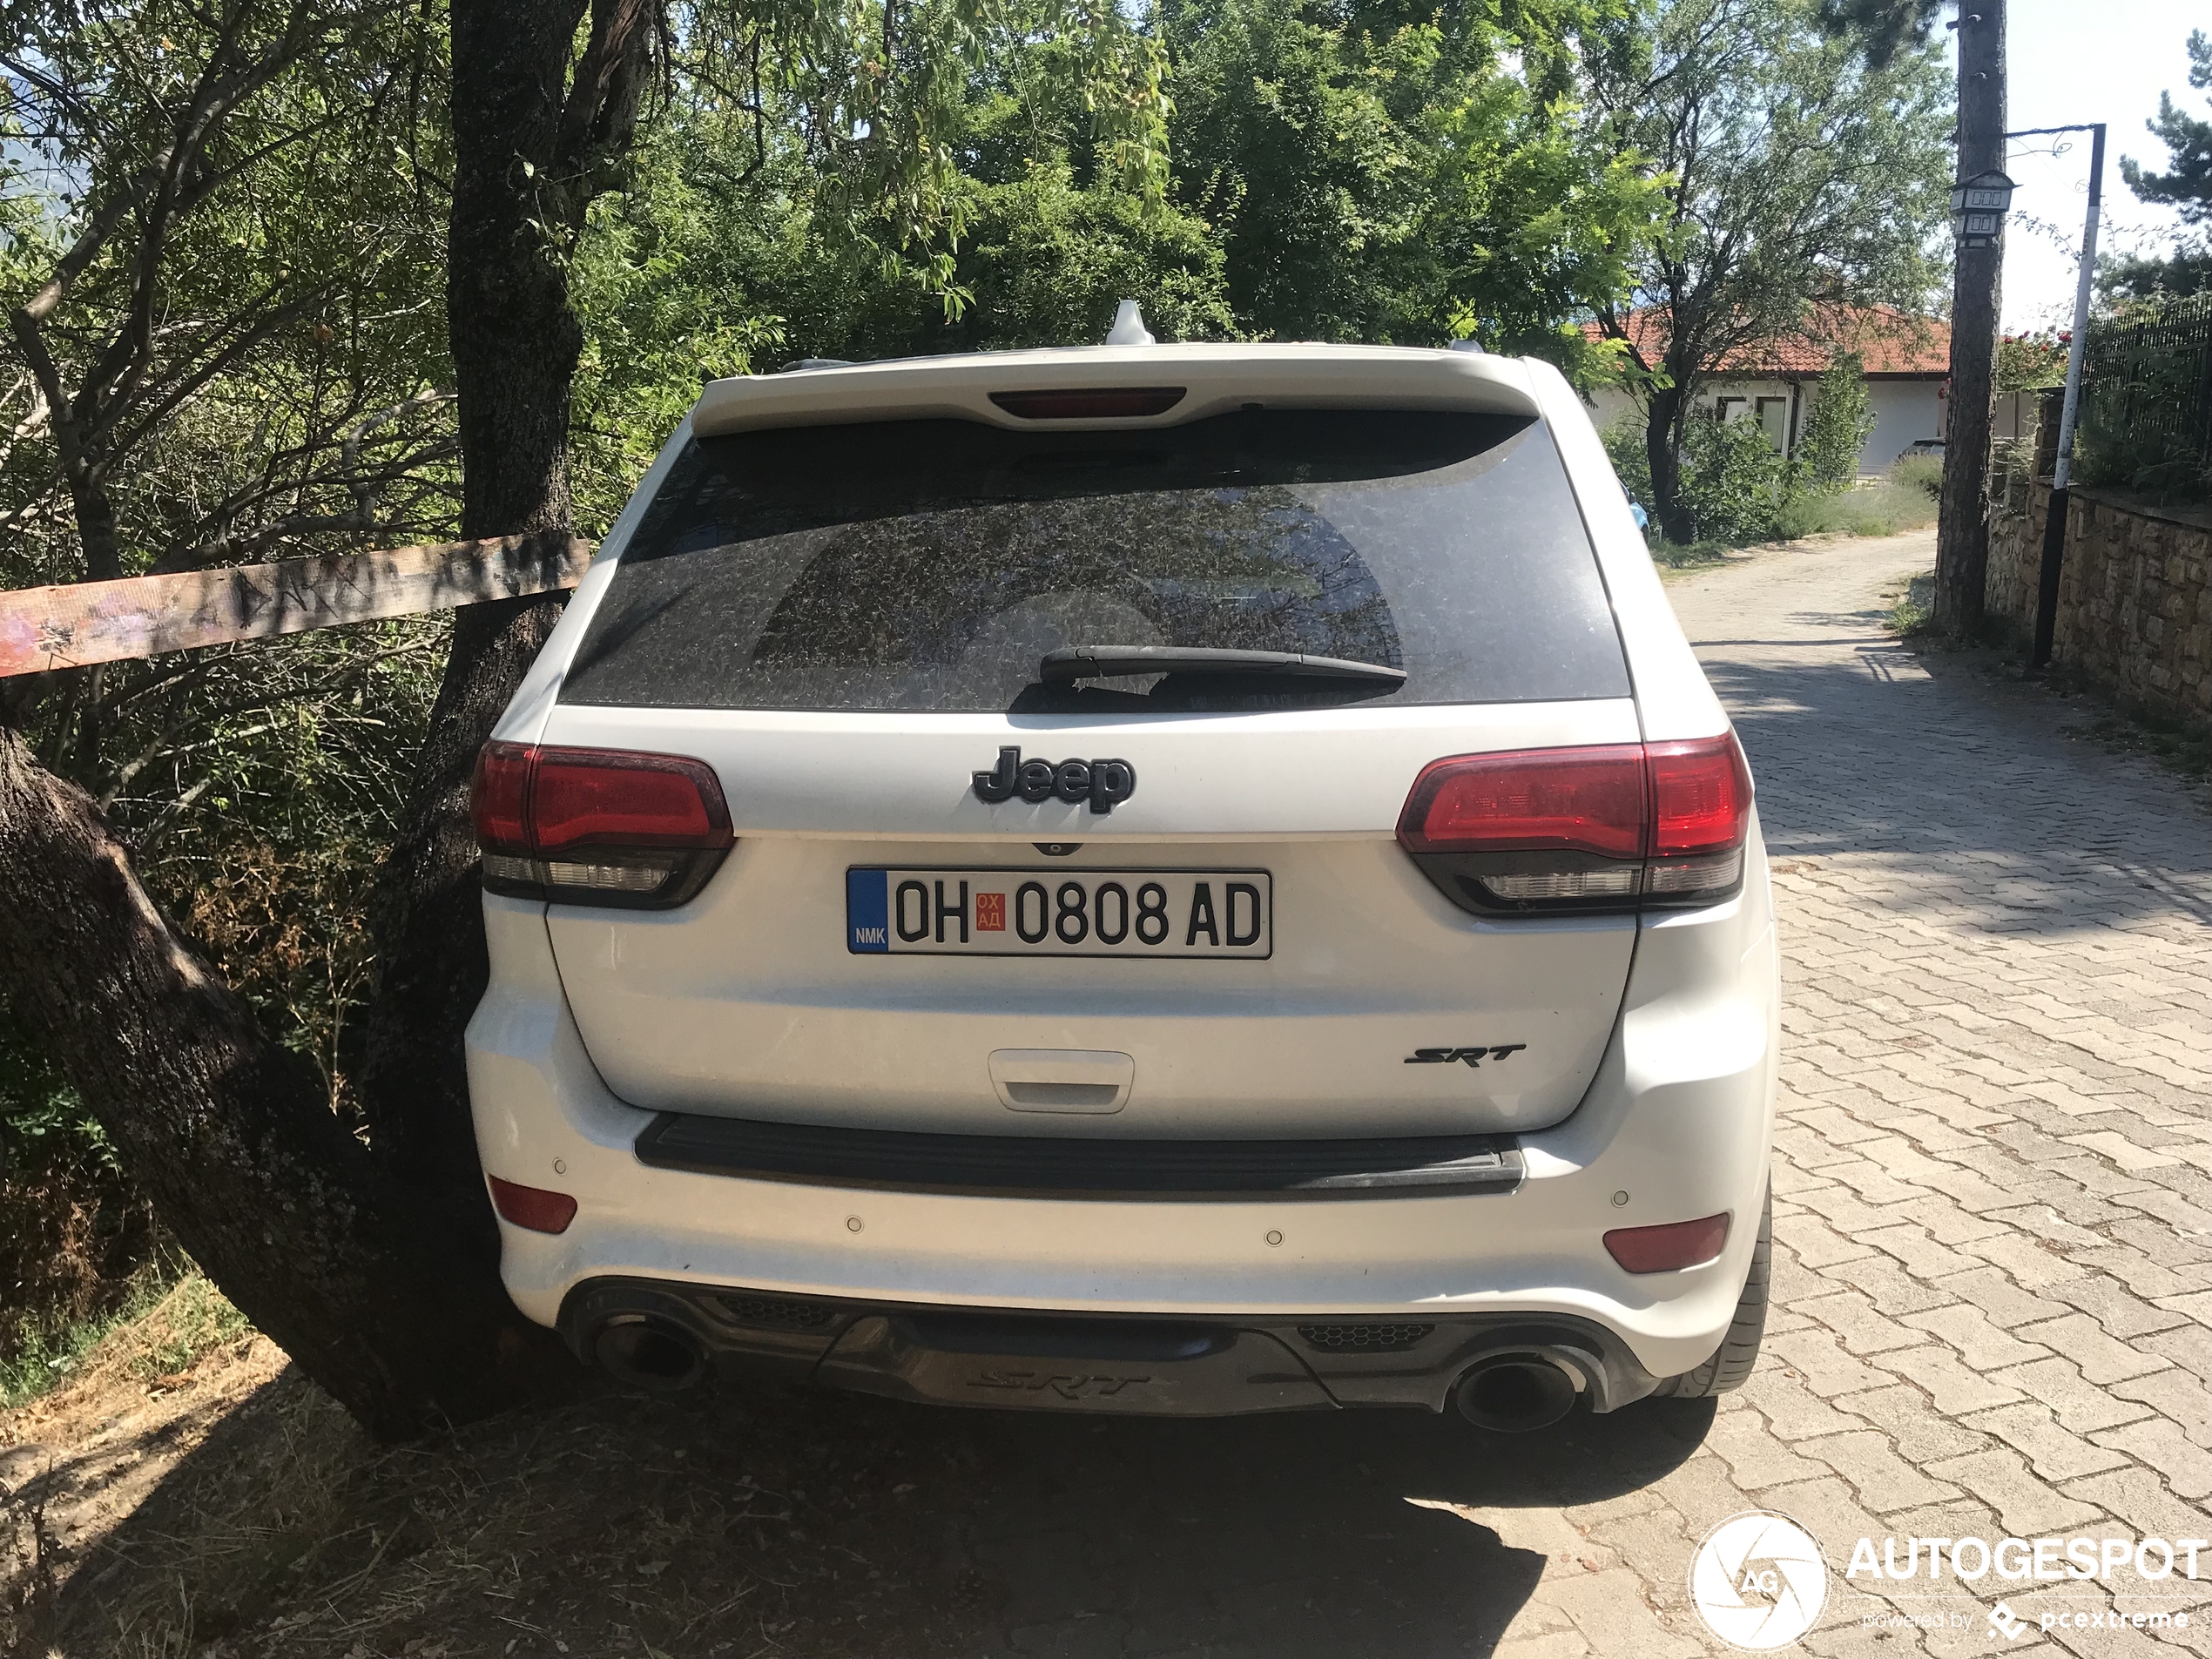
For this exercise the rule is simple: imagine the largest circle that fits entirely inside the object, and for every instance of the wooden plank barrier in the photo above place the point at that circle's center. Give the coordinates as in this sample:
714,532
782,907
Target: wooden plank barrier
145,615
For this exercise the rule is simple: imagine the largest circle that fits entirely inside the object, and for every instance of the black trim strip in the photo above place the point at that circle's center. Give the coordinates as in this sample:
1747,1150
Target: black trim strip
1008,1166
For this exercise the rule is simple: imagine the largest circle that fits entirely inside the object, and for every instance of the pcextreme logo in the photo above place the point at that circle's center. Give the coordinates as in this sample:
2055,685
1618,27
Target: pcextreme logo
1758,1581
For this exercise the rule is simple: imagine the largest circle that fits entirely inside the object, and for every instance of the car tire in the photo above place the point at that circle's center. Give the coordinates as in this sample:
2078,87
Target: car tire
1730,1366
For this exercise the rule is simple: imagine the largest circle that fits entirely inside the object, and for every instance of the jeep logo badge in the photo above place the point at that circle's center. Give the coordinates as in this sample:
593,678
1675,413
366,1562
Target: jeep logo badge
1105,784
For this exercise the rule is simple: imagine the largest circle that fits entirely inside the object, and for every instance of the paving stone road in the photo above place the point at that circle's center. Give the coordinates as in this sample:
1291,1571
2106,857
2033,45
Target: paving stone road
1992,1226
1994,1172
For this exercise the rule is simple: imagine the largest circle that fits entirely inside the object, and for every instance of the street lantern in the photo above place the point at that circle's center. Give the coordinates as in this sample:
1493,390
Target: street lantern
1977,207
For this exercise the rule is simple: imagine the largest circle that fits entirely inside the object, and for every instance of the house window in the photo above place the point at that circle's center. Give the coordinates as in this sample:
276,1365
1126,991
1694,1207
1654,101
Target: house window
1724,408
1774,417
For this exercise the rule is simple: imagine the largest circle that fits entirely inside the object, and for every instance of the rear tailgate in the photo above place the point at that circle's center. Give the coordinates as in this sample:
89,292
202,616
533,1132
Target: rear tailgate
846,623
751,1000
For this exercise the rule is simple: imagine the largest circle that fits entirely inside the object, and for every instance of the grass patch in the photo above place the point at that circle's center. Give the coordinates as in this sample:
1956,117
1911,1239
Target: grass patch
1691,555
1903,501
1887,509
170,1316
1915,606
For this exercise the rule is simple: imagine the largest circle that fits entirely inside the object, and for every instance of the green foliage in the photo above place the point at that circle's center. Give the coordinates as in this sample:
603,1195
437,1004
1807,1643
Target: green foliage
294,267
725,259
42,1125
1915,608
1734,483
1624,448
168,1316
1384,174
1837,426
2186,270
1736,490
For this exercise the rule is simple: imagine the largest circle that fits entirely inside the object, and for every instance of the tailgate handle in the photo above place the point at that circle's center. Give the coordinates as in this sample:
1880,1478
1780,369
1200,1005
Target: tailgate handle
1061,1080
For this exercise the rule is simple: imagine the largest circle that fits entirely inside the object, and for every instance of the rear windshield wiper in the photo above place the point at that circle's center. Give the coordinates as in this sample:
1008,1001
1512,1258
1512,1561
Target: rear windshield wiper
1092,661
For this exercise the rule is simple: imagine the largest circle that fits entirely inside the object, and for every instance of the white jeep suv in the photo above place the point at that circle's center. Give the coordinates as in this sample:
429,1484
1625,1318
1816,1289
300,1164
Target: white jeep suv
1179,879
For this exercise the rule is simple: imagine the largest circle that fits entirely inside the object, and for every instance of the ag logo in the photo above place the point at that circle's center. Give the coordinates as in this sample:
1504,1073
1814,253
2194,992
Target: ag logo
1758,1581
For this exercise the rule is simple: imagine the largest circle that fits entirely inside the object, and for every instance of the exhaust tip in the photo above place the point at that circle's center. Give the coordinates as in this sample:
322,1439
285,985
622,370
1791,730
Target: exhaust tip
1514,1393
646,1352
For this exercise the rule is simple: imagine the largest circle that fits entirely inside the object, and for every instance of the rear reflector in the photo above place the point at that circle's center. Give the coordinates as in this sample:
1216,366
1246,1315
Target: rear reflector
1090,403
532,1207
597,825
1602,828
1667,1249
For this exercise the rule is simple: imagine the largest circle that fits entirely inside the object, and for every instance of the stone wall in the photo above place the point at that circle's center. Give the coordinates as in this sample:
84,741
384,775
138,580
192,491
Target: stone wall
2135,595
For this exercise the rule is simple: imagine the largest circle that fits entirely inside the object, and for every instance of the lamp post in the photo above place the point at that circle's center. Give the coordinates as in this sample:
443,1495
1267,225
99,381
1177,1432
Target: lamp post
1978,208
2047,592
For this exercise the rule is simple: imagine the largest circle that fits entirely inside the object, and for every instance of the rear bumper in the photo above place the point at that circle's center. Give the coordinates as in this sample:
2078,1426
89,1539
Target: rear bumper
1187,1366
1677,1125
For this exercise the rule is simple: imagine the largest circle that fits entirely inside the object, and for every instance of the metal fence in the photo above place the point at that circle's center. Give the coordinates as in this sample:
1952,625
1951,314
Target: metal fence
2147,410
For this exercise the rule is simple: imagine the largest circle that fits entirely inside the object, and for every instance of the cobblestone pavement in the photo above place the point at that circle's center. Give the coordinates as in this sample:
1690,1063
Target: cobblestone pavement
1992,1255
1993,1171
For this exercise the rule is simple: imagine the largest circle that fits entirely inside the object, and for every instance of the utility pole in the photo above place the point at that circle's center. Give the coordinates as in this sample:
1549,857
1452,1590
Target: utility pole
1962,523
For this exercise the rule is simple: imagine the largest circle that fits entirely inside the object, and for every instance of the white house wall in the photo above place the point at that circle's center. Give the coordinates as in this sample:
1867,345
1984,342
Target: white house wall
1904,411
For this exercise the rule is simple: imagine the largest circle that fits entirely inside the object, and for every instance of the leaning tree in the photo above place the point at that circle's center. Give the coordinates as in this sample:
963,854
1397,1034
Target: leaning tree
373,1260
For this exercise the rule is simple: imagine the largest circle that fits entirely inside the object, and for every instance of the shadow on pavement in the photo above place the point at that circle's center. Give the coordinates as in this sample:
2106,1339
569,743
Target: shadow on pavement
1965,784
1283,1537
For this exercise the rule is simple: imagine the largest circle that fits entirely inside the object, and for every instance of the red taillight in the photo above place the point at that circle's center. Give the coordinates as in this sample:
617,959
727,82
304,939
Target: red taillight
604,798
1606,827
1669,1248
1090,403
1701,794
532,1207
499,799
597,825
1588,801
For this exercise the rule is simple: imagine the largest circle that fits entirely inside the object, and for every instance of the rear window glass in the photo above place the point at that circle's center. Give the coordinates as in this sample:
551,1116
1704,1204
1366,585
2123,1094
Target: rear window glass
928,565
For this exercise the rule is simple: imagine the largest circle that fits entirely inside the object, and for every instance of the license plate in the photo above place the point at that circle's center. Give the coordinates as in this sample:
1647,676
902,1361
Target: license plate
1060,913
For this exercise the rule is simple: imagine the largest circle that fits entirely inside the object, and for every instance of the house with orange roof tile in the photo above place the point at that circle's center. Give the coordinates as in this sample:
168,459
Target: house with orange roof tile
1907,362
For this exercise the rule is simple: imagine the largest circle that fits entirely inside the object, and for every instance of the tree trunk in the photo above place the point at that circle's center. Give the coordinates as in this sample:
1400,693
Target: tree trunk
1962,523
1662,449
231,1137
515,344
94,511
426,917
